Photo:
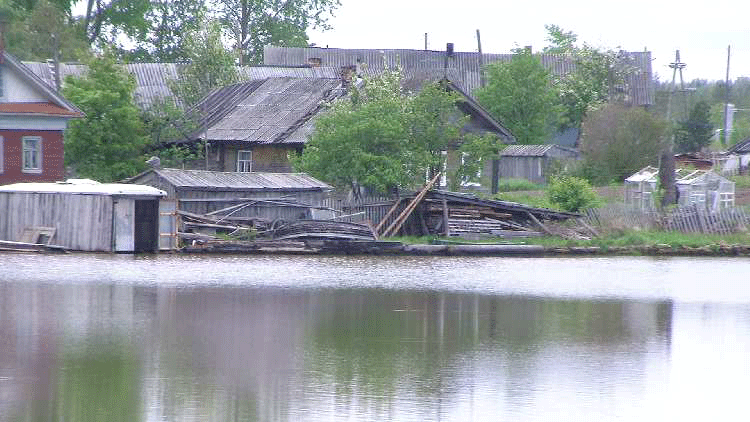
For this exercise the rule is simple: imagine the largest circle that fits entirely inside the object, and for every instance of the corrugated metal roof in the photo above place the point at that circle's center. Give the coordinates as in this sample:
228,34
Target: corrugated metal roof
264,112
464,65
530,150
215,180
84,187
152,79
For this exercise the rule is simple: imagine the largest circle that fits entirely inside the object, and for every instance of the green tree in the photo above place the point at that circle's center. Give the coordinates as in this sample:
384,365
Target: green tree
383,138
598,76
254,24
520,94
209,66
38,30
617,141
106,23
695,132
107,145
169,21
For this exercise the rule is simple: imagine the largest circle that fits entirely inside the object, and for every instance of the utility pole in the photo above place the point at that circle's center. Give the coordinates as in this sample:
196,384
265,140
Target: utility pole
725,135
481,60
666,166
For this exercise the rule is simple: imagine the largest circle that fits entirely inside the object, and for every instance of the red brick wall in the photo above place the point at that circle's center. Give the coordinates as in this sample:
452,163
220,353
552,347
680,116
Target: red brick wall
53,168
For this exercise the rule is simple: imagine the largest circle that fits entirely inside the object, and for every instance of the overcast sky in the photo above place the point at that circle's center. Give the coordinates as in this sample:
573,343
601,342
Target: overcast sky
701,31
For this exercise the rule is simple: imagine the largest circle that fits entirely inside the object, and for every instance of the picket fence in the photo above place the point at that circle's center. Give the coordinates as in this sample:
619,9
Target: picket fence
688,219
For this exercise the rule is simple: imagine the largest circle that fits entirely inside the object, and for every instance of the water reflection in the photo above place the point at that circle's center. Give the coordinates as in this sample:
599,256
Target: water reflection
120,350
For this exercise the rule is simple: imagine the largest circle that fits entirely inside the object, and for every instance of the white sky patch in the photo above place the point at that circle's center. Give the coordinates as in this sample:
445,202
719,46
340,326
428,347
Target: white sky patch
701,32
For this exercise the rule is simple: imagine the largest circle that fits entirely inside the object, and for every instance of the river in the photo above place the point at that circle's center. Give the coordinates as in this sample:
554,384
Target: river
88,337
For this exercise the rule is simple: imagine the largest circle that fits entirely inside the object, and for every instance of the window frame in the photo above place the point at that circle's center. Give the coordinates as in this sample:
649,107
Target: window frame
37,151
244,165
2,154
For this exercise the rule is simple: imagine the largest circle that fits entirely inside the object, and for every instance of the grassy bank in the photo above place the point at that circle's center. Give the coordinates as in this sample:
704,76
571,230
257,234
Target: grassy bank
621,239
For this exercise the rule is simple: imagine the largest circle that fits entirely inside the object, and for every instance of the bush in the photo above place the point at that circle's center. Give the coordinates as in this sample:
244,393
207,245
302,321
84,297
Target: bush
571,193
514,185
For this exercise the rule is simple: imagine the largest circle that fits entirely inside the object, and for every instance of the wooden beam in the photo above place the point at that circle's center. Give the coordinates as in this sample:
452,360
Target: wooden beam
539,223
396,225
387,215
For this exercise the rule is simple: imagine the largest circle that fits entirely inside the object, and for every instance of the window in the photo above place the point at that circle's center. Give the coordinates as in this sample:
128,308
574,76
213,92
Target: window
2,90
244,161
2,150
32,154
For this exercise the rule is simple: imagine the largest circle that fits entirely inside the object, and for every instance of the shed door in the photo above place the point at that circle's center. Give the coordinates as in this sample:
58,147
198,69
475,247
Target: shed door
167,225
124,217
146,225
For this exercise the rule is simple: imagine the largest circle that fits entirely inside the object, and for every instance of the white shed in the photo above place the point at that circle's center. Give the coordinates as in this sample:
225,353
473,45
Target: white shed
84,215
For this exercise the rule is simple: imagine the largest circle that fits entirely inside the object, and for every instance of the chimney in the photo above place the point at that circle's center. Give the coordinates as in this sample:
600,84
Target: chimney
348,74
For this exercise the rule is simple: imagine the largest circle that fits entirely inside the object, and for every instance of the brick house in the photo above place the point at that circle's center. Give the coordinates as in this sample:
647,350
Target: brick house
33,118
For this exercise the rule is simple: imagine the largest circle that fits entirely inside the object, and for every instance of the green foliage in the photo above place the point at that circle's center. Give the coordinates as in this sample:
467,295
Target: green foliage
253,24
695,133
383,138
107,144
513,185
598,76
571,193
32,32
210,65
618,141
169,22
520,94
107,24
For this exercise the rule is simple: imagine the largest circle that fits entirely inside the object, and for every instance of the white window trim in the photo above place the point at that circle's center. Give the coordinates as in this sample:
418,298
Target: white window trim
32,170
2,154
244,166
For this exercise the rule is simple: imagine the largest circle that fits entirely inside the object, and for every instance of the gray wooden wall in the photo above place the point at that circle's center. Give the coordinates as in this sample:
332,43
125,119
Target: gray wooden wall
83,222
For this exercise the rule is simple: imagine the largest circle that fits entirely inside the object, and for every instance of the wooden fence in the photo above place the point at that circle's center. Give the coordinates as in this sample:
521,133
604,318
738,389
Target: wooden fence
688,219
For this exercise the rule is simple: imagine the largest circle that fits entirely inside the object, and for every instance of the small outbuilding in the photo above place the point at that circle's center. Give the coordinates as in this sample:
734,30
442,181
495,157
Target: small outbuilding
82,215
702,188
534,162
269,196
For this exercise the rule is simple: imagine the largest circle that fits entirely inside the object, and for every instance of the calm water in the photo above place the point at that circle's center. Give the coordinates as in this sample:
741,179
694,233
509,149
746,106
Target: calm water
290,338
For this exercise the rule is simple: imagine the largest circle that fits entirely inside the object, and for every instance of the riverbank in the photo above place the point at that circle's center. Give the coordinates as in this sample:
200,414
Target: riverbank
469,249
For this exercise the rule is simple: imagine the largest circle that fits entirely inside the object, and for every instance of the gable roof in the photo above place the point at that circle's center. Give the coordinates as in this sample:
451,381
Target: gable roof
265,111
152,80
463,67
217,180
57,105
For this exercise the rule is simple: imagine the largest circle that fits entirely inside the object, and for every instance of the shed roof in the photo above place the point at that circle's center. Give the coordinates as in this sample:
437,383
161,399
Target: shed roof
84,187
532,150
216,180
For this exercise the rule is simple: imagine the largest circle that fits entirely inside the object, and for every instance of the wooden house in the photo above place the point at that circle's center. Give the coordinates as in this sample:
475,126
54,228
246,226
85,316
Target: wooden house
83,215
270,196
33,117
534,162
254,126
